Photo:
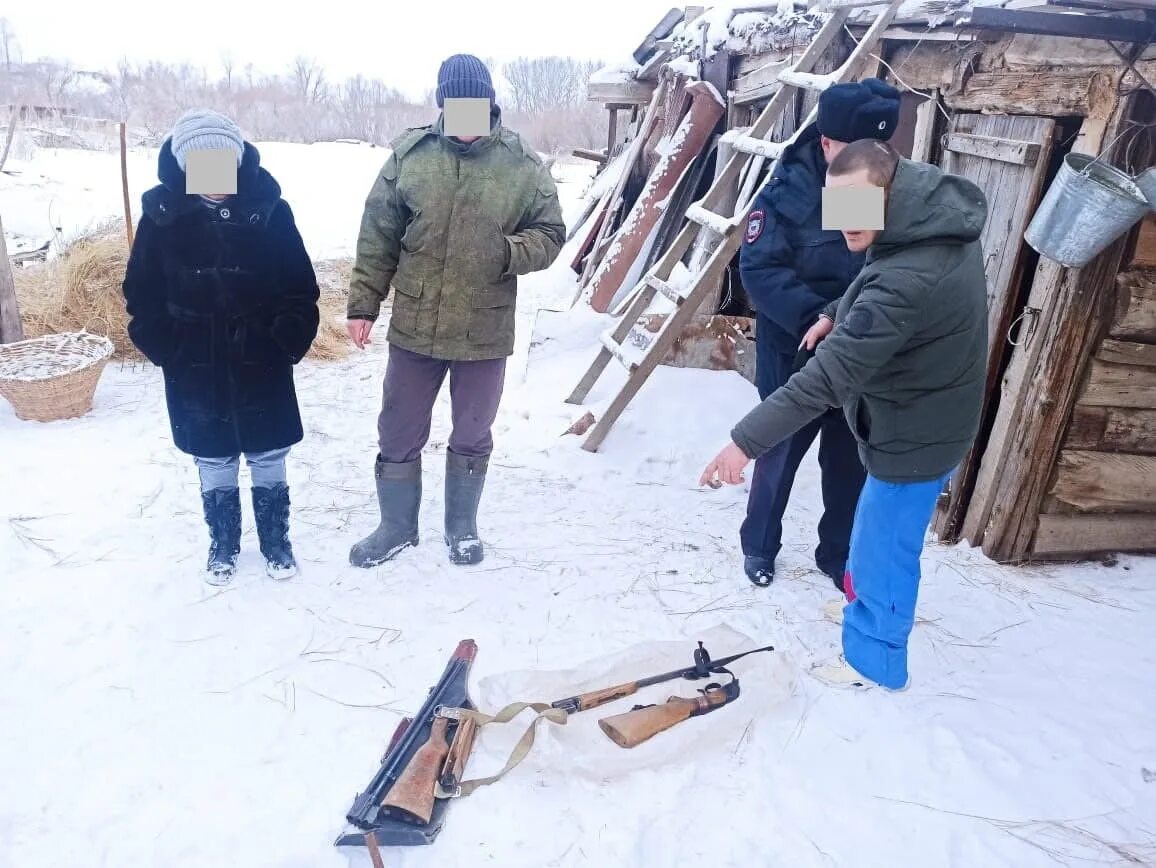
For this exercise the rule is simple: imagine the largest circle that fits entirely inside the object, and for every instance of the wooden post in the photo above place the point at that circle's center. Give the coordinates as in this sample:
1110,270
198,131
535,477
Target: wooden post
11,328
612,133
12,123
124,183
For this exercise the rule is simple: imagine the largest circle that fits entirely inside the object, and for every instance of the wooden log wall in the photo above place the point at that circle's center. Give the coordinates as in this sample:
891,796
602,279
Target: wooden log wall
1103,491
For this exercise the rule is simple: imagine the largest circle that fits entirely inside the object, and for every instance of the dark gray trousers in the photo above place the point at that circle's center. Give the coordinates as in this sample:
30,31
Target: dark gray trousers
412,383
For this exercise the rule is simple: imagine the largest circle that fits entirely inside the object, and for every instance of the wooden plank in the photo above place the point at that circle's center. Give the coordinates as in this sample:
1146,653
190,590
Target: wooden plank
992,148
664,28
1040,382
1145,254
1057,93
1112,385
1049,24
11,326
1079,535
1105,482
621,92
759,83
1136,307
1112,429
651,69
926,118
594,156
1127,353
1013,189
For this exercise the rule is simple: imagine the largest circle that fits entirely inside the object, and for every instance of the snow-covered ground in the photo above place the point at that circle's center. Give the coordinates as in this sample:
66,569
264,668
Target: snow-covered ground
147,720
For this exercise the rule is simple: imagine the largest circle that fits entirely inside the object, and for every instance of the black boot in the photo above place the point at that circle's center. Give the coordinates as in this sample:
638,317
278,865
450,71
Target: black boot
761,571
465,479
271,512
399,499
223,516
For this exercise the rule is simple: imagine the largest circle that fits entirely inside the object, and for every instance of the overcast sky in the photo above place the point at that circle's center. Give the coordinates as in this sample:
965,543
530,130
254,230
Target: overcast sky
402,43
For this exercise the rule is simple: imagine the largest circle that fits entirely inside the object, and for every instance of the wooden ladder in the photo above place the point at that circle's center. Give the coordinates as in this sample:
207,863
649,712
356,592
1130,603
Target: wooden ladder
639,350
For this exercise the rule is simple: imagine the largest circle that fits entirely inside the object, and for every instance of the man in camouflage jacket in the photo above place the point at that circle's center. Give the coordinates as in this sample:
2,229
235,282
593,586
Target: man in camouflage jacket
450,224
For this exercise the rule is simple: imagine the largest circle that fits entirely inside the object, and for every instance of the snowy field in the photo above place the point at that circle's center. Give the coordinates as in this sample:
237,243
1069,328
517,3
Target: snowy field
147,720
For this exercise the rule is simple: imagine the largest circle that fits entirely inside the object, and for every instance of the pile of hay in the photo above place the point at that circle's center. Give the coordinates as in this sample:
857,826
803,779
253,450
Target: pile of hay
81,290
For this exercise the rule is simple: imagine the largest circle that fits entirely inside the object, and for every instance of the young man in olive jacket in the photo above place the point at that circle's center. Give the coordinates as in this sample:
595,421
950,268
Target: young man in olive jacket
906,359
450,224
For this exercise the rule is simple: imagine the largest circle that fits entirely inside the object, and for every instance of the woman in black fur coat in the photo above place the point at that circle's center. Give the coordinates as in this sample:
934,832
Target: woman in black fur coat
221,294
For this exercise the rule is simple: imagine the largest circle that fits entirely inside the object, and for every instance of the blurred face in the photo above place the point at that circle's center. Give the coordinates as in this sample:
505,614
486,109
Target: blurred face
831,148
857,240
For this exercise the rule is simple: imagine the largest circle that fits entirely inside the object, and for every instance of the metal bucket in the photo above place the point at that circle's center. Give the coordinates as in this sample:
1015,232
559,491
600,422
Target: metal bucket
1088,206
1146,181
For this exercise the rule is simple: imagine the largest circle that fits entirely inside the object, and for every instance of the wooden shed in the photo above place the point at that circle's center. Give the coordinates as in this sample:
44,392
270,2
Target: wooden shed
999,92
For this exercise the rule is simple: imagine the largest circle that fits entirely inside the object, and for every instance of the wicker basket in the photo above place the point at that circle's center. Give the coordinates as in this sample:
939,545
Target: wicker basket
53,377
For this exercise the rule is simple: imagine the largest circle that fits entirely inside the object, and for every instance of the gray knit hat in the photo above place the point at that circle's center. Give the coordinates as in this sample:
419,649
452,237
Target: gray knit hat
205,130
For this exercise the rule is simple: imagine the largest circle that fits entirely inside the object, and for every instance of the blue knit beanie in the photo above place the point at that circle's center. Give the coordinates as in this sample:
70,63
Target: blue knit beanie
464,76
867,109
205,130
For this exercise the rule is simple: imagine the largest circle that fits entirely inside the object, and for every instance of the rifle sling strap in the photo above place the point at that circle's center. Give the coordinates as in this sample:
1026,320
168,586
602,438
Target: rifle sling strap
521,749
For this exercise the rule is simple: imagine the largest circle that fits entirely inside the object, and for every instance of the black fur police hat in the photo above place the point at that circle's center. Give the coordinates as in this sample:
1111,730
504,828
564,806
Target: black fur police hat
867,109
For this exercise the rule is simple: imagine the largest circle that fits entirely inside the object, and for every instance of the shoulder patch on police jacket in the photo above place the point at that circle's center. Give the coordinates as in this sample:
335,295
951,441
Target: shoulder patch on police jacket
755,223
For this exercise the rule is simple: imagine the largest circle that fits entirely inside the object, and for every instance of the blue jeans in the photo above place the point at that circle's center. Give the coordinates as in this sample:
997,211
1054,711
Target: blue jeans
266,468
886,541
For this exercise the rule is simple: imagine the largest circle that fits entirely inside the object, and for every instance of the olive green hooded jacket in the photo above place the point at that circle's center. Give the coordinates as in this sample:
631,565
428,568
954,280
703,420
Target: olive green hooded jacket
450,227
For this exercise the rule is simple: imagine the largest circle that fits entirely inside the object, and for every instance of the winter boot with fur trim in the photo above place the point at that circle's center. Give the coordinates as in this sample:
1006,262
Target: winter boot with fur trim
271,513
222,508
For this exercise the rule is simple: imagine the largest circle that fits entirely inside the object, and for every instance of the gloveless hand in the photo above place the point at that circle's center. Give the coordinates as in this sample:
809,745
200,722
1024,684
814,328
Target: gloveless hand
359,330
728,466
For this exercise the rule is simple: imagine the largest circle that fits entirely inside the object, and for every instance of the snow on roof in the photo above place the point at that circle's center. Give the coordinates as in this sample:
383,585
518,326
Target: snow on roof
934,12
616,73
750,32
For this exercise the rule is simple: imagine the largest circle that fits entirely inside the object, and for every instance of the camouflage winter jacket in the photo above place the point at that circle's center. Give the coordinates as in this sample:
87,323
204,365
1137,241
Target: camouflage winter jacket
450,227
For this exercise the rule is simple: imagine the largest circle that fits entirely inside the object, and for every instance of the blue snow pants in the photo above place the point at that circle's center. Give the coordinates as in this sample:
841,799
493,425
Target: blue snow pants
883,576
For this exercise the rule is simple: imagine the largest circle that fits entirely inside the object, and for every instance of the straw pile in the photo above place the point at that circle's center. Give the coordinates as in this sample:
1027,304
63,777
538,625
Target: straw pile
80,290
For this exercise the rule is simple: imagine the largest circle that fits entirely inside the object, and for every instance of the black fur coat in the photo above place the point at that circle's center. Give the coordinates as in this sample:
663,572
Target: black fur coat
224,299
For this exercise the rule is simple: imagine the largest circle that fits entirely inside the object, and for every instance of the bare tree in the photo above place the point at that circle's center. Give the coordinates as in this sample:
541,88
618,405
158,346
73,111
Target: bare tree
540,84
8,43
310,80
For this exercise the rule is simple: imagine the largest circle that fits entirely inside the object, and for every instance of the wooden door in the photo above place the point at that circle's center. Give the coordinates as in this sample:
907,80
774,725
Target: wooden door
1007,156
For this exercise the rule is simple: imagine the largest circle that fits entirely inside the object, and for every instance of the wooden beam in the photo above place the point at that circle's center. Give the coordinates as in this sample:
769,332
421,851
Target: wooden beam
1055,94
664,28
1071,536
620,93
991,148
1127,353
11,326
1048,24
1112,429
585,154
1136,307
926,119
1112,385
1145,254
1105,482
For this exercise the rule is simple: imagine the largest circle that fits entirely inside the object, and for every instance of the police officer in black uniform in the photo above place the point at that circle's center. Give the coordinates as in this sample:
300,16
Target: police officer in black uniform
791,269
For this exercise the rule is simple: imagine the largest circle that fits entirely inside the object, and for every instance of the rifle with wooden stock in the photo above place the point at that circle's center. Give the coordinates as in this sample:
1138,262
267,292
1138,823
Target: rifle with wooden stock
423,767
